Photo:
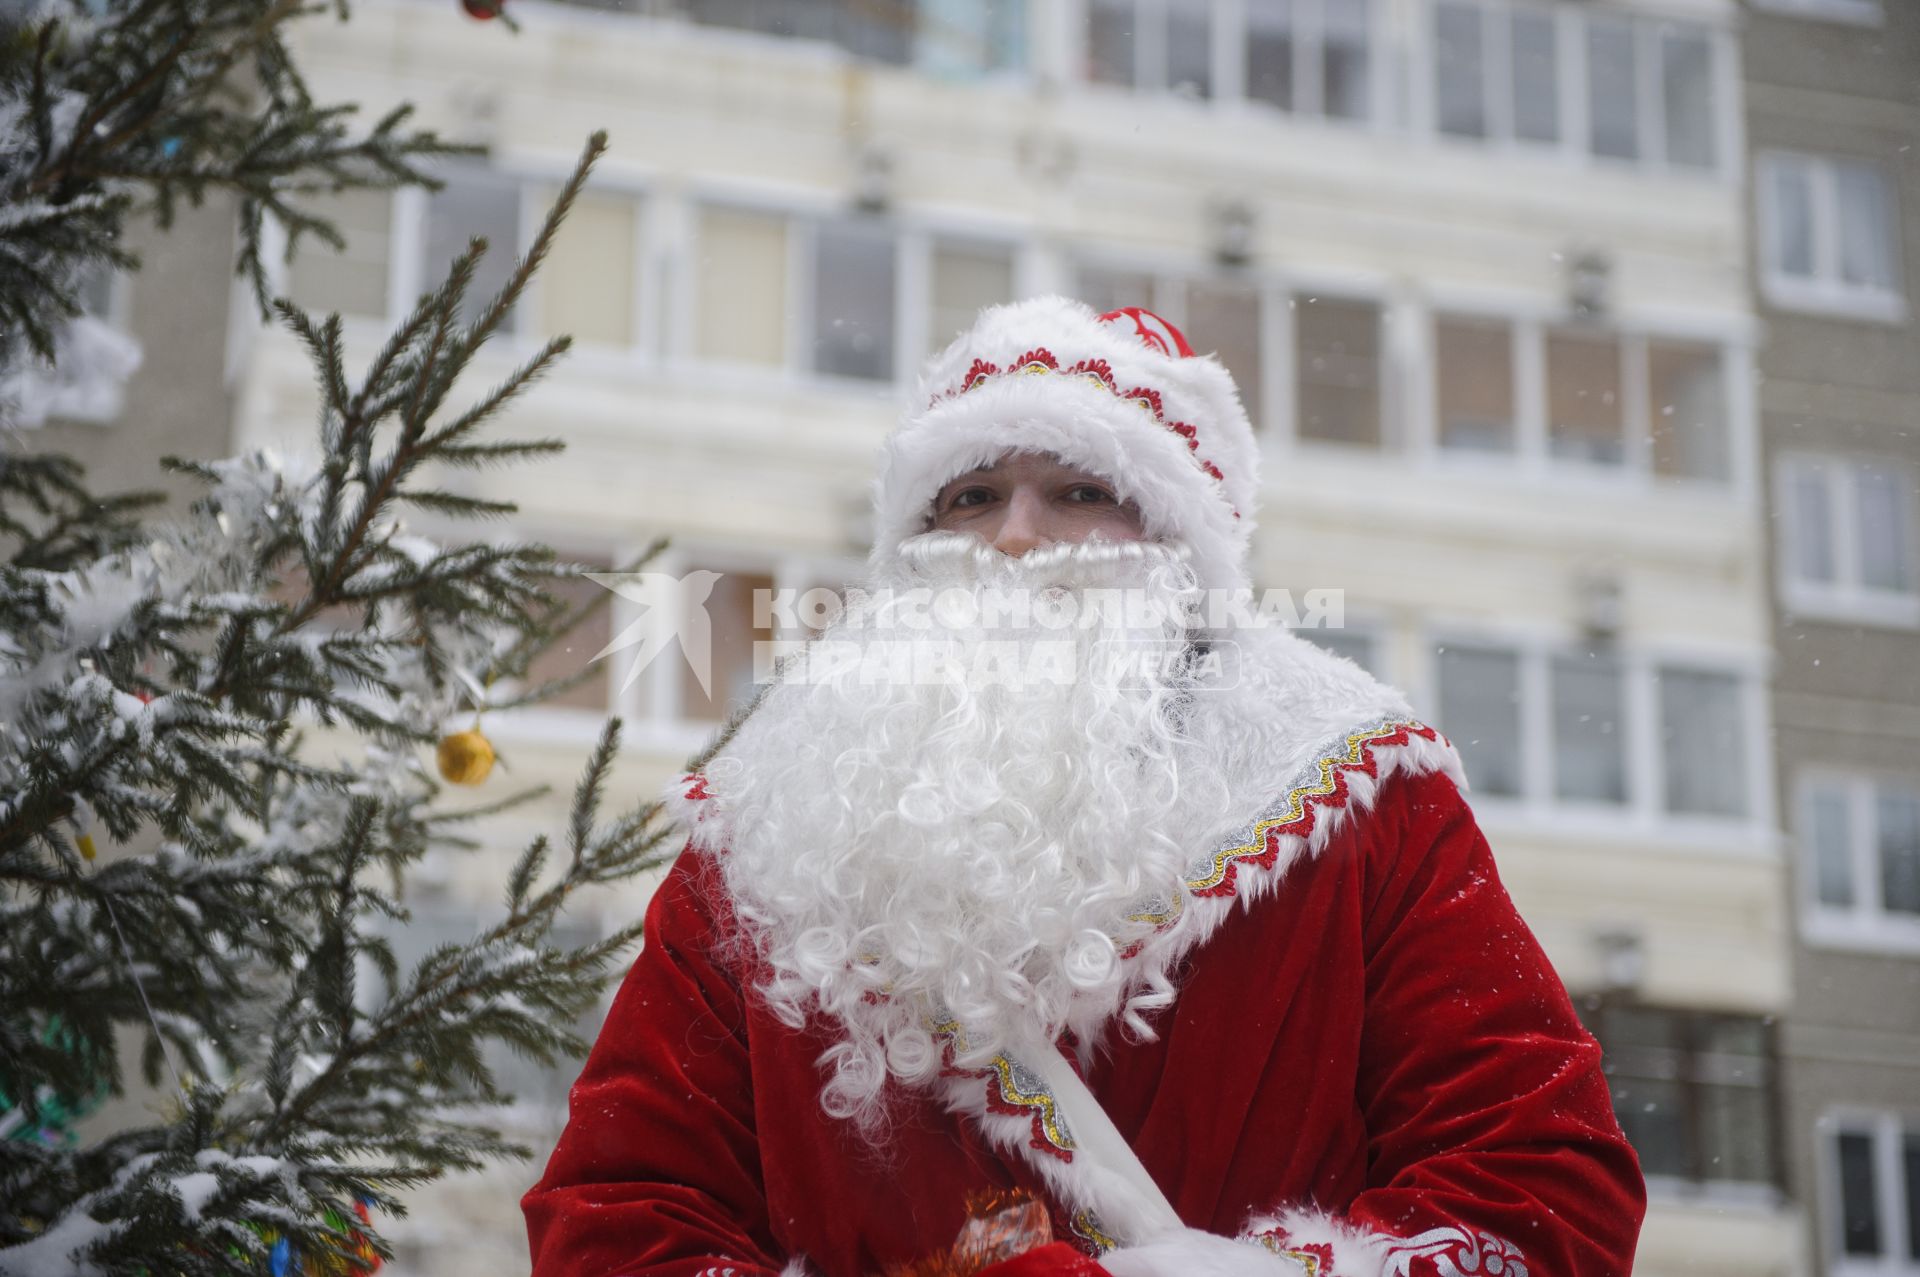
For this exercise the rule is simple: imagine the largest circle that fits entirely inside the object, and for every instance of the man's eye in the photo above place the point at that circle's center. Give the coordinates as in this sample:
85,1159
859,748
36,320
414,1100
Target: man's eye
965,497
1089,492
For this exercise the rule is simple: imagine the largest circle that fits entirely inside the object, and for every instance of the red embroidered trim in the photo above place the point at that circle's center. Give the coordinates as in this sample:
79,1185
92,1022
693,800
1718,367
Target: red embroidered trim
1042,360
1304,804
1038,1108
997,1103
1315,1258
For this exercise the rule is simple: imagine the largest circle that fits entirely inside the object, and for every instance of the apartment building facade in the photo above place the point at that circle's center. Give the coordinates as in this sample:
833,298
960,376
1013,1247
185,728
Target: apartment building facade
1833,98
1482,268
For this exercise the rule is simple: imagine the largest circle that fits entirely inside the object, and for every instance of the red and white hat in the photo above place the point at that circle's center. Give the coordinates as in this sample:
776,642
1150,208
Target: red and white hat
1121,395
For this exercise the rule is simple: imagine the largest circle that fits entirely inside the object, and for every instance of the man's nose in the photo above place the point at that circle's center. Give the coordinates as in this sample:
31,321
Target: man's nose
1024,526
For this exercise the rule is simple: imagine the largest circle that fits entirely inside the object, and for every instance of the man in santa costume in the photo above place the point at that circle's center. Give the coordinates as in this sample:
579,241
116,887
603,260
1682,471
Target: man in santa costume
1178,952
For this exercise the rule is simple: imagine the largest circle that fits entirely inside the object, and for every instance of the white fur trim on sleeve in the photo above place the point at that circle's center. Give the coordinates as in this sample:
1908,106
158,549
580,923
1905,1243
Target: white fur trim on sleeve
1192,1253
1355,1252
1358,1252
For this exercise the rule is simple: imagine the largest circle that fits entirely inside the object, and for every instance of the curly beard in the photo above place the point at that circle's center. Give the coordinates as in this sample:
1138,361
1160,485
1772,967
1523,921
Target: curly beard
972,848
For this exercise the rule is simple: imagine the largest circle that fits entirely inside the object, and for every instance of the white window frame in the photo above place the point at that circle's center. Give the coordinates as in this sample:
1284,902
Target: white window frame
1644,810
914,233
1532,455
1848,598
1860,13
918,237
1886,1129
657,720
409,273
1228,53
1573,147
1170,280
1825,293
1866,925
1290,293
537,174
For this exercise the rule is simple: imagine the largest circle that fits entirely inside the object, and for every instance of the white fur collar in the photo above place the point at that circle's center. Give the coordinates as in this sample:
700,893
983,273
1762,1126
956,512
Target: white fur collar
1315,738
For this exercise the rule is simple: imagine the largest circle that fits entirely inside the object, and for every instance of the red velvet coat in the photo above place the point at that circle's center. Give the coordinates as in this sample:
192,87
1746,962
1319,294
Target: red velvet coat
1370,1067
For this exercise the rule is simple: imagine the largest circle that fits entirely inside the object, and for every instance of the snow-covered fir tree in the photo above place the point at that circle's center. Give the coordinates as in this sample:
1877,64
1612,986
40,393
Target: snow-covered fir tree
172,862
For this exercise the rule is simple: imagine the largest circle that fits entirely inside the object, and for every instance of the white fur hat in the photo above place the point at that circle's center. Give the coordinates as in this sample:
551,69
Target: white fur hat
1120,394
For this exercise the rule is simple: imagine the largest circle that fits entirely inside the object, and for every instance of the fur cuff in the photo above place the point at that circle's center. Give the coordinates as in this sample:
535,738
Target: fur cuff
1323,1244
1192,1253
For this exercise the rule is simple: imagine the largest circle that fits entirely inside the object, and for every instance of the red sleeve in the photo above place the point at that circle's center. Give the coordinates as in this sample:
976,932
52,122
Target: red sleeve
1491,1133
657,1173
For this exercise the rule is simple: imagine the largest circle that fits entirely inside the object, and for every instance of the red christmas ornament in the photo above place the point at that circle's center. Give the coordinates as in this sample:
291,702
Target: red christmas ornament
483,9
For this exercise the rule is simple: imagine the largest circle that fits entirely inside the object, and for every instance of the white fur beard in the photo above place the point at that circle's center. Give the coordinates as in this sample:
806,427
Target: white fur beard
969,849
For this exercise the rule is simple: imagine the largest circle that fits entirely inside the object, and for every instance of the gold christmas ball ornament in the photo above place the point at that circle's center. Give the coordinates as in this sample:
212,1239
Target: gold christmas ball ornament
466,758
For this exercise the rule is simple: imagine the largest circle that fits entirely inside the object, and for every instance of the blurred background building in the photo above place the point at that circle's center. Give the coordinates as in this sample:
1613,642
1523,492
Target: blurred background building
1579,336
1833,111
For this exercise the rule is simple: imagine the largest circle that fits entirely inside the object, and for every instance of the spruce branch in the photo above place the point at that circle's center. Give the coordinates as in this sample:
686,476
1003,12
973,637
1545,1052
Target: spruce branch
153,676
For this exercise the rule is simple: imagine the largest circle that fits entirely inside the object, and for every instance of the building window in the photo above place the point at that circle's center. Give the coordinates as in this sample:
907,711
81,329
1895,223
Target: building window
1460,70
1686,86
1687,410
1345,77
1870,1163
1479,698
572,655
1218,315
751,607
967,278
1189,70
1585,412
1154,45
1860,12
1589,745
853,307
1860,857
730,614
1270,52
588,286
741,306
1307,57
1694,1091
1497,75
1534,46
1106,289
940,36
1496,71
1474,383
1111,40
1850,539
1674,421
1553,724
1704,740
1223,318
1356,645
352,281
482,202
963,38
1612,89
1828,235
1337,354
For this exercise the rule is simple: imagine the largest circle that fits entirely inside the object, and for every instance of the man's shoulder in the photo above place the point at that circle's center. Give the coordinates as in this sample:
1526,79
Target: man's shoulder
1328,794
